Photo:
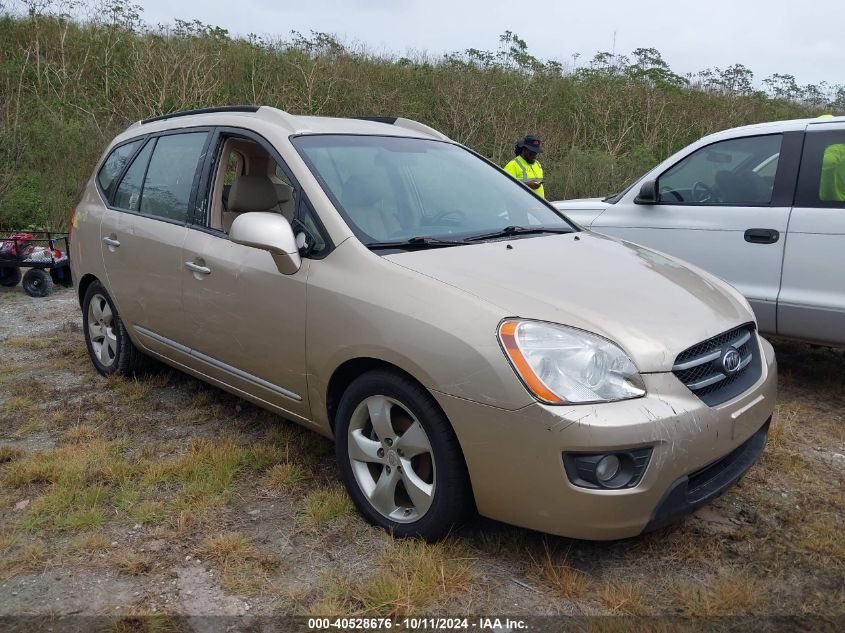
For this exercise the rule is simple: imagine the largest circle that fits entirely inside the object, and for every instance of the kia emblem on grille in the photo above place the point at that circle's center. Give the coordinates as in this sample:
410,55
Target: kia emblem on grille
731,361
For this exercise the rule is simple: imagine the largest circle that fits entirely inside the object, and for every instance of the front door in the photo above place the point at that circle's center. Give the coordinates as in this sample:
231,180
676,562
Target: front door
719,208
811,305
245,320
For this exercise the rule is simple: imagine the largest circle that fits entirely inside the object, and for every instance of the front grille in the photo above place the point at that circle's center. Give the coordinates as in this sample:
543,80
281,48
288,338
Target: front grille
701,367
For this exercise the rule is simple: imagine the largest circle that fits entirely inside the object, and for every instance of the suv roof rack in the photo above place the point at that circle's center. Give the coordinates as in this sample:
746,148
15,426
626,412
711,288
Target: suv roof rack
390,120
234,108
408,124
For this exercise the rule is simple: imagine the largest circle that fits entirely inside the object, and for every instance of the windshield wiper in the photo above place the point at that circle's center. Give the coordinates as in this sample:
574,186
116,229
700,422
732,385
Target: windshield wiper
516,230
417,242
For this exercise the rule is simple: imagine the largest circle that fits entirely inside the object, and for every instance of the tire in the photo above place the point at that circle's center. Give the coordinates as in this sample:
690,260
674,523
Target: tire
10,276
37,283
61,276
400,459
108,343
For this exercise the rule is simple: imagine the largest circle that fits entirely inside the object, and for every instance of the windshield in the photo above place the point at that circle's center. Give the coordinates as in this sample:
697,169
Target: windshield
392,189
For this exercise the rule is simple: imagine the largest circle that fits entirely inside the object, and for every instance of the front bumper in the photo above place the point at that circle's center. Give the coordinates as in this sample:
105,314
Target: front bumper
516,466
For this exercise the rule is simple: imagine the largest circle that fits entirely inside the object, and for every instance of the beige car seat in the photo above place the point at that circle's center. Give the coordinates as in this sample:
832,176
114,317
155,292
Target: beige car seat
250,193
363,201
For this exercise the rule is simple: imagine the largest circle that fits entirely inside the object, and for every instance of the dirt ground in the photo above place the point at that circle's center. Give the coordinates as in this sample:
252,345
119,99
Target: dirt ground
161,495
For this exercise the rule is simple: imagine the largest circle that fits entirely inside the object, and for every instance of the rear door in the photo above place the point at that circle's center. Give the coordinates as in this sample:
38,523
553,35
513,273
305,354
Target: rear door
811,305
724,207
143,231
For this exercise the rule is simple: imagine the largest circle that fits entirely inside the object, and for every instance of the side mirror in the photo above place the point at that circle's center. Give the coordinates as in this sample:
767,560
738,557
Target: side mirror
270,232
648,193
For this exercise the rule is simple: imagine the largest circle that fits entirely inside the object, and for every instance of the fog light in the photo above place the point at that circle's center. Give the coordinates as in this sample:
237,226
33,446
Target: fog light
607,468
610,471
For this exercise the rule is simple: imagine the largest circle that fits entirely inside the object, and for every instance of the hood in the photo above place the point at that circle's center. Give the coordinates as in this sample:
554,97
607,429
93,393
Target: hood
584,211
651,305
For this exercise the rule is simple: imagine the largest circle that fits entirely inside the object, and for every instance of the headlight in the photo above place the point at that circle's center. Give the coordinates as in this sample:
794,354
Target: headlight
563,365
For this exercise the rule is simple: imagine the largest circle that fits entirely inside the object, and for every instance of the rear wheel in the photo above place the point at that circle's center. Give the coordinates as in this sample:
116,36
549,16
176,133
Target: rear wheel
399,458
10,276
108,343
37,283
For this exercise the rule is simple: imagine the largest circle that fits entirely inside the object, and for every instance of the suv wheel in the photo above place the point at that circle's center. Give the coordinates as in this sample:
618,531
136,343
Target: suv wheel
399,458
108,344
37,283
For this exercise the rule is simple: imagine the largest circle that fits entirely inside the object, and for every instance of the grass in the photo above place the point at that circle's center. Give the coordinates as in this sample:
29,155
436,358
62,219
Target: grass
413,577
624,598
133,564
324,505
103,460
19,405
9,453
286,476
729,593
242,567
552,570
90,543
28,558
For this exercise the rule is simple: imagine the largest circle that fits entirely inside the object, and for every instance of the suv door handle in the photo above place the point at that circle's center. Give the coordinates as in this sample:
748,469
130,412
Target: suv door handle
110,241
762,236
202,270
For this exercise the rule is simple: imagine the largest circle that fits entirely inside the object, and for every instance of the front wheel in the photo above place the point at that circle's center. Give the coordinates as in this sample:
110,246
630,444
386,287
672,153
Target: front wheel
399,458
108,343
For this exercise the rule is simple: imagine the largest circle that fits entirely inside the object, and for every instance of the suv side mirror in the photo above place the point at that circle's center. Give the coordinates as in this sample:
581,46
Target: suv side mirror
648,193
270,232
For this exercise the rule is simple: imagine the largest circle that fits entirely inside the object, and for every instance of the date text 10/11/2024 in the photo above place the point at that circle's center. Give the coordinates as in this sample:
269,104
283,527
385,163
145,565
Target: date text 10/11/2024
418,624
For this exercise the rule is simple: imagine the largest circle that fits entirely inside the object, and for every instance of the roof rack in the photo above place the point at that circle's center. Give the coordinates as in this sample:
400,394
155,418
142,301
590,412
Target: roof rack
408,124
390,120
233,108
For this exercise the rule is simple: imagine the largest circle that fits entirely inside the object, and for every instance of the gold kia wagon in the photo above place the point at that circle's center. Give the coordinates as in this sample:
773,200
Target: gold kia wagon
467,347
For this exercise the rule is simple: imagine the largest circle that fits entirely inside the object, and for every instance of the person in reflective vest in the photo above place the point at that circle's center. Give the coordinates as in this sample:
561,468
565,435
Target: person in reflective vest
525,167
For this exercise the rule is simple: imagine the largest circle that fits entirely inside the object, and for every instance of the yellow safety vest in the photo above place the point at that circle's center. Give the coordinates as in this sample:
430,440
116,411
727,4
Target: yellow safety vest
832,182
522,170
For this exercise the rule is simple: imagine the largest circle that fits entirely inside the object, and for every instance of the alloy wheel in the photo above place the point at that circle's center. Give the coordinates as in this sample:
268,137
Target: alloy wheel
101,330
392,459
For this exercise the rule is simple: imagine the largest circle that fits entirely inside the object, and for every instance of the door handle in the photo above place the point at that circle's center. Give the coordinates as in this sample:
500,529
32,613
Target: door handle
110,241
762,236
202,270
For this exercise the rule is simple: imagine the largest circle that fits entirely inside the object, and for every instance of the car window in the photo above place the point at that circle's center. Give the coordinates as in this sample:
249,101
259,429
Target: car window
738,171
128,194
394,188
306,218
114,164
234,168
821,180
170,176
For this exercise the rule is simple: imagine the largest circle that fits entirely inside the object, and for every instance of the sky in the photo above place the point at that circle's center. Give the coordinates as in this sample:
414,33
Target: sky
767,36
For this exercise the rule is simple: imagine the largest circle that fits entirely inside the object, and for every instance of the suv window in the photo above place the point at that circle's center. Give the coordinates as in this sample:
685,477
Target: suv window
128,194
738,171
821,182
395,188
170,175
114,164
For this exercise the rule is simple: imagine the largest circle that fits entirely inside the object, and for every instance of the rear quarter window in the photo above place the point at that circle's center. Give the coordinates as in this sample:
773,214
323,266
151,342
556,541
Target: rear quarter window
114,164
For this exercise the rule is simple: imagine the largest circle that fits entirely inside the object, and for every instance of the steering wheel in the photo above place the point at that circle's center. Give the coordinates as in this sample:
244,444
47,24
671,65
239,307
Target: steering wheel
664,190
702,192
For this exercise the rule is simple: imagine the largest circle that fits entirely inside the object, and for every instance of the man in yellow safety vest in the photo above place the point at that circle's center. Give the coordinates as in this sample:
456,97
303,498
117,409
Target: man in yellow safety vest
525,167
